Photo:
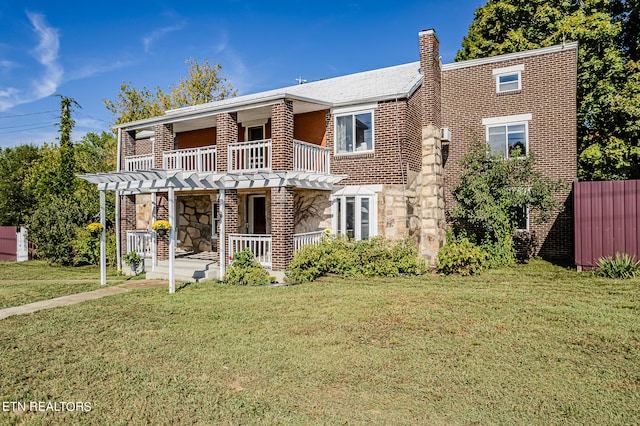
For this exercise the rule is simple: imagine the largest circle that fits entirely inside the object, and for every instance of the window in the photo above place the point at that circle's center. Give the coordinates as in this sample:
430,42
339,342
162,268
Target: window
508,135
255,133
508,79
354,133
521,215
355,212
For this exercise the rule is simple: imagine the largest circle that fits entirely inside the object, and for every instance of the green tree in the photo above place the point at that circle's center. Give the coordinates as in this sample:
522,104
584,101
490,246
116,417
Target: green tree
608,78
66,169
492,194
17,198
205,83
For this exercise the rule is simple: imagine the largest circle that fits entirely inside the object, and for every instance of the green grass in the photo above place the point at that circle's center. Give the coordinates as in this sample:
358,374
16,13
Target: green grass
536,344
32,281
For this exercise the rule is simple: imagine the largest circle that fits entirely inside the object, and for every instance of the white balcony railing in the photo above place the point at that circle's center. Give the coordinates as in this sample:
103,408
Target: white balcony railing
141,242
191,159
250,156
308,157
138,162
300,240
259,245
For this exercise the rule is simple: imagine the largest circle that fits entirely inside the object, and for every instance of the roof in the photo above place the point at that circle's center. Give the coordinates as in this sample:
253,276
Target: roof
370,86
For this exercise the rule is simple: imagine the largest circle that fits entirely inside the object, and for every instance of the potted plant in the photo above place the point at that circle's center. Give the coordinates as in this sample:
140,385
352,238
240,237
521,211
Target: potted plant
133,260
94,228
161,227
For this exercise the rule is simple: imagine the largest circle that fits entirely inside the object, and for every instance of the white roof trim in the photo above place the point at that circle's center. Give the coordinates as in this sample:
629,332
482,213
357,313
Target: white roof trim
510,56
508,70
506,119
355,190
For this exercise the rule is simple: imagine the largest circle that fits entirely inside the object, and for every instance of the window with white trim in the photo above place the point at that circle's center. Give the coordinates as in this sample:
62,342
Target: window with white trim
508,135
354,132
355,211
521,215
508,79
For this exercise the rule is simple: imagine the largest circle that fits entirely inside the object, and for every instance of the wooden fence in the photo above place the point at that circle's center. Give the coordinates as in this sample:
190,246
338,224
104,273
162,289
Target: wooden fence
606,220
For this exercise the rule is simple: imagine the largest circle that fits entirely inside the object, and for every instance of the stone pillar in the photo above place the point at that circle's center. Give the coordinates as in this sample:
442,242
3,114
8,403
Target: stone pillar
162,213
226,133
282,227
430,194
230,217
163,142
282,136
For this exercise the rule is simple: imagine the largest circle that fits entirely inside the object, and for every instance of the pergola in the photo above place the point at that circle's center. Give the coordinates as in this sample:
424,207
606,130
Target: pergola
170,181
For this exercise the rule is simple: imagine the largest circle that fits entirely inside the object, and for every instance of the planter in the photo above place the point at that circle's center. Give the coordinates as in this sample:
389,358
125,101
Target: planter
133,269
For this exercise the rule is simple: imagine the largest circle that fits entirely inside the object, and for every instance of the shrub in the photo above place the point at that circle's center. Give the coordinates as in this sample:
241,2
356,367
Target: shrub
86,248
245,270
463,257
623,266
346,257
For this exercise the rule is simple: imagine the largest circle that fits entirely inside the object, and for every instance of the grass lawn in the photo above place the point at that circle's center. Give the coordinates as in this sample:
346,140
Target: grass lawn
31,281
536,344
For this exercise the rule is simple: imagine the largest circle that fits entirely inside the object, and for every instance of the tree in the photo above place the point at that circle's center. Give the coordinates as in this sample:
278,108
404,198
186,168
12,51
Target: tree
205,83
608,78
17,199
492,194
66,176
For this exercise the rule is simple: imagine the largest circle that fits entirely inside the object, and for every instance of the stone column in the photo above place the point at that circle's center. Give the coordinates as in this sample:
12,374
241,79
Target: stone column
282,227
226,133
431,195
282,136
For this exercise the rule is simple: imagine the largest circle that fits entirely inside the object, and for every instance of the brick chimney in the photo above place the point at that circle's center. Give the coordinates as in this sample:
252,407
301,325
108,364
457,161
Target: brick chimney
430,68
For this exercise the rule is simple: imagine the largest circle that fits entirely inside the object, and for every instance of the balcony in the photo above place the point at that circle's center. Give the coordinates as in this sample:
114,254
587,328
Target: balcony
242,157
191,159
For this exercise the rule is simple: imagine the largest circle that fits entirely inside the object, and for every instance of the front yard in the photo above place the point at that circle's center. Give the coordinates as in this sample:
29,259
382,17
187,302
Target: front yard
536,344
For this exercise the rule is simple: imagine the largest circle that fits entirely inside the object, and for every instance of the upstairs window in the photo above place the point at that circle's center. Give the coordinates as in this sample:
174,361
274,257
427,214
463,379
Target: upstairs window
255,133
508,136
354,133
508,79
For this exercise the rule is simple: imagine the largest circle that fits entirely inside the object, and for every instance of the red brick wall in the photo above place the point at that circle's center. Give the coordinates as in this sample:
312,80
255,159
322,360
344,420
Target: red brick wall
230,216
143,147
549,94
128,220
226,133
282,136
164,142
162,213
127,146
383,165
431,83
282,227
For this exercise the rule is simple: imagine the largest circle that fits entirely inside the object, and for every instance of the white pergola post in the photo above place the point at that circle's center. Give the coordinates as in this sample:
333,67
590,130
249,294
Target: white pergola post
103,240
223,253
172,241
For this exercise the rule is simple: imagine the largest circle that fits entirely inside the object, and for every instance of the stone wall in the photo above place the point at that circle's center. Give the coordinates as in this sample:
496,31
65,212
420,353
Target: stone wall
312,210
143,211
194,223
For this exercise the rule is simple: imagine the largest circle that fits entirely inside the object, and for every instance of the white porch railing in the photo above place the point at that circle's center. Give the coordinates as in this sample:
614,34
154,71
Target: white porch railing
259,245
138,162
250,156
191,159
141,242
300,240
308,157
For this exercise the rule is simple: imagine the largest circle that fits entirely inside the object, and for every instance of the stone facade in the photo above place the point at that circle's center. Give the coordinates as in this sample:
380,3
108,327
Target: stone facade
195,224
312,210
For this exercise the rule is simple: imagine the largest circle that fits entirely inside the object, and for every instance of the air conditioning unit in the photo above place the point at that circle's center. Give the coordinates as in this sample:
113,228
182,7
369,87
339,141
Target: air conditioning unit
445,134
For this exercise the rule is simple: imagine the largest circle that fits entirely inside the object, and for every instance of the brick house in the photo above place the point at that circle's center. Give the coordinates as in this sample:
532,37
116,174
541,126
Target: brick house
372,153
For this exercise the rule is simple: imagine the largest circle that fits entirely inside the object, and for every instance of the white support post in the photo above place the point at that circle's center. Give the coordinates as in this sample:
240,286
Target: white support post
118,226
223,253
103,240
172,241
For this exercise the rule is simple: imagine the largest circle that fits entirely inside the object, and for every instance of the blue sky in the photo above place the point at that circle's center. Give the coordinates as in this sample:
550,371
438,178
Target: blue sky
85,50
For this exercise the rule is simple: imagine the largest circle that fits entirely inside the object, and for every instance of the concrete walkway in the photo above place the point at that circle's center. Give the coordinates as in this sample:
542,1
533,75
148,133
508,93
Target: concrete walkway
72,299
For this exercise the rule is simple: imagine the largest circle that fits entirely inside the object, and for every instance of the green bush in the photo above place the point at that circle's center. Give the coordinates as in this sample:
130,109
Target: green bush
86,248
346,257
463,257
623,266
245,270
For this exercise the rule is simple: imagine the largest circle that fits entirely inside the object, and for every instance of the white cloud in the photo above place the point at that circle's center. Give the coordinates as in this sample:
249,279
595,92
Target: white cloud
47,54
154,36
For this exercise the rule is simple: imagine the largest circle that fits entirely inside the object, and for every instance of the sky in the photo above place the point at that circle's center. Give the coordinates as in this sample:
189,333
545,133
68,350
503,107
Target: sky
86,50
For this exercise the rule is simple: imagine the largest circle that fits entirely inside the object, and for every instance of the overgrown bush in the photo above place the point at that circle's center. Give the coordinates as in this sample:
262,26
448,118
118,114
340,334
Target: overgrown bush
86,248
461,256
245,270
346,257
623,266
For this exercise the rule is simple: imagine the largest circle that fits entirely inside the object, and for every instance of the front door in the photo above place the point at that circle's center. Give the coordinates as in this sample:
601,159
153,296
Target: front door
257,214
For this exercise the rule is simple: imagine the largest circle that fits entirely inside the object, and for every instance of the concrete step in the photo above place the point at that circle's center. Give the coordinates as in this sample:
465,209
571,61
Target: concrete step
192,270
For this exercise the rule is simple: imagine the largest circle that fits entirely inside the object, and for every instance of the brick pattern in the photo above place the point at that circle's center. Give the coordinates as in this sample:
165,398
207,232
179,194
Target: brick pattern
164,142
282,135
127,220
413,148
549,94
226,133
128,146
431,83
162,213
231,216
282,227
143,147
383,165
